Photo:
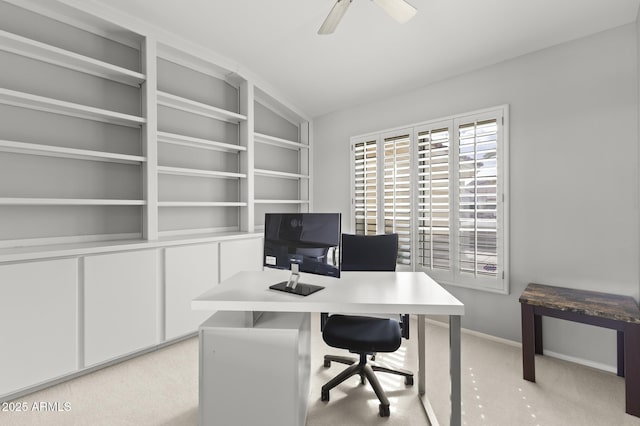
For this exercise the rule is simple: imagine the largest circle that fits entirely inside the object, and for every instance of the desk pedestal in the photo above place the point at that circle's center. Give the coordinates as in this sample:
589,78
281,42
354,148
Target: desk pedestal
256,374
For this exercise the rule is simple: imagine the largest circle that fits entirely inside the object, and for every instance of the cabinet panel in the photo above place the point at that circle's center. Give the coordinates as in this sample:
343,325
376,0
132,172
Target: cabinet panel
38,311
120,303
278,378
240,255
189,272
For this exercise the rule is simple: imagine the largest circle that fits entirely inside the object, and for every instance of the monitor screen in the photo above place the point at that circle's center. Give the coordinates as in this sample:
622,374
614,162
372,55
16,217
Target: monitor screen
309,240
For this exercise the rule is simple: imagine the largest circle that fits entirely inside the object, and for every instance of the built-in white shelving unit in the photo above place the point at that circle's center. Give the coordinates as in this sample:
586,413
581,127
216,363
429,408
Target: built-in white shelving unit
198,146
282,161
128,158
60,109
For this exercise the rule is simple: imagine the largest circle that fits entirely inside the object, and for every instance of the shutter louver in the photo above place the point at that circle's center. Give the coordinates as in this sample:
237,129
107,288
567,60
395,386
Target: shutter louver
478,198
397,193
365,192
433,199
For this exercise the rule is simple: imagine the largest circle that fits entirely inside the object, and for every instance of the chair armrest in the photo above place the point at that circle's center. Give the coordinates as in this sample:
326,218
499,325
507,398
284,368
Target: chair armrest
404,325
324,317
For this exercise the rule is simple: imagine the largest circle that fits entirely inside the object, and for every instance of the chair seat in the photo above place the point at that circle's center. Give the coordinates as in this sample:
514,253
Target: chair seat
362,334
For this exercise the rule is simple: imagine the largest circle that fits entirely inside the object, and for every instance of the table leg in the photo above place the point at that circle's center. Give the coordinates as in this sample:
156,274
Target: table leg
537,331
528,342
455,370
620,353
632,369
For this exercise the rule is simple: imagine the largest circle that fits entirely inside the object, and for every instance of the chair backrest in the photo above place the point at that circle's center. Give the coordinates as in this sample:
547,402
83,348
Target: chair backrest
369,252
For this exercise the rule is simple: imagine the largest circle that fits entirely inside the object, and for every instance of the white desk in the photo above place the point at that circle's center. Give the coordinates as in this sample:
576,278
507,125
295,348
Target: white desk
356,293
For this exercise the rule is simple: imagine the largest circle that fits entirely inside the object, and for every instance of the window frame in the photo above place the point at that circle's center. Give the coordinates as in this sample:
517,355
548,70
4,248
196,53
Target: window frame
455,277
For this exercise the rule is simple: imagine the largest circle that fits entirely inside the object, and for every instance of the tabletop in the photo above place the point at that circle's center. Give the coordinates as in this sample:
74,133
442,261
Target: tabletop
597,304
355,292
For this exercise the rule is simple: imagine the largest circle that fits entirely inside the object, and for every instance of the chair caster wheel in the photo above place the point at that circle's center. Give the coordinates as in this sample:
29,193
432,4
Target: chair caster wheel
384,411
327,363
324,395
408,381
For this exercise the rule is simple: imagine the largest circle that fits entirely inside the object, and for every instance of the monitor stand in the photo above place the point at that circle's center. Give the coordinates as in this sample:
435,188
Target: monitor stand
293,286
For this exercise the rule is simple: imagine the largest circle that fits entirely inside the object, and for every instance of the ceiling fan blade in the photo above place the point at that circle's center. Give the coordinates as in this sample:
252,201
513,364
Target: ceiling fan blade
333,19
399,10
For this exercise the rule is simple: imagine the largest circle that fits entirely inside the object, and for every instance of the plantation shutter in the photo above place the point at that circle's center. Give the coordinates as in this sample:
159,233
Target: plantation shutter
397,192
365,198
441,186
433,210
478,200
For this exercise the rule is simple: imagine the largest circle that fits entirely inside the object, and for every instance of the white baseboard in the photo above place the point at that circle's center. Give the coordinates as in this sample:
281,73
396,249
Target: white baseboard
581,361
587,363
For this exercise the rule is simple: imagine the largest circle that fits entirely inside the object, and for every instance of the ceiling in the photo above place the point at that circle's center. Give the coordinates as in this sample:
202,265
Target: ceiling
370,56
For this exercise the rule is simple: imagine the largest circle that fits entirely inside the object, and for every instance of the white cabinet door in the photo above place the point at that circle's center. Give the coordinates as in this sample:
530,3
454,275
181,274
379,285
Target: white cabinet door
240,255
120,304
189,272
38,313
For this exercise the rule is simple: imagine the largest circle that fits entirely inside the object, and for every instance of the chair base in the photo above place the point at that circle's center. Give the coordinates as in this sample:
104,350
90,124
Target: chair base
408,375
365,371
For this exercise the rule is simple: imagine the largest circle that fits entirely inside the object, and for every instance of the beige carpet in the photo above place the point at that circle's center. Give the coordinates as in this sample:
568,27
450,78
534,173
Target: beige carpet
161,388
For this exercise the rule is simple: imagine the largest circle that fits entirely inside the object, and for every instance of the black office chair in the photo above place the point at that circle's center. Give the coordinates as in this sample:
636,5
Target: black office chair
365,335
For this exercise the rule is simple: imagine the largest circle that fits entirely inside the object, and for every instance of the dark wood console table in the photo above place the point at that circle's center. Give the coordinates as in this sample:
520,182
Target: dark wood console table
620,313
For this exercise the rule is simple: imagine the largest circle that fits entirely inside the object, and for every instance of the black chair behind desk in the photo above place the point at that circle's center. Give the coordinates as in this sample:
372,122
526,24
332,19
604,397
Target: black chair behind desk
365,336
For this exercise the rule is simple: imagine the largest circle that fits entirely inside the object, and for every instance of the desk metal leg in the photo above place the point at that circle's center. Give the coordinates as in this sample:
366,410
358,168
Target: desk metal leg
455,373
422,373
422,365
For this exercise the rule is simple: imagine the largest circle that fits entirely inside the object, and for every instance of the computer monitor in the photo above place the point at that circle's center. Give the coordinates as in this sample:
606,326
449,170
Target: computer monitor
302,242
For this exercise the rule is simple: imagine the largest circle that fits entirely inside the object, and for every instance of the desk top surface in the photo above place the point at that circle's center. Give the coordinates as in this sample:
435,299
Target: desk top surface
354,292
603,305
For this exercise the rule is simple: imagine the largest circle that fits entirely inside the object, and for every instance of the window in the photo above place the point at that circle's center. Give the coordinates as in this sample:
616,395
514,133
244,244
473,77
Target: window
442,188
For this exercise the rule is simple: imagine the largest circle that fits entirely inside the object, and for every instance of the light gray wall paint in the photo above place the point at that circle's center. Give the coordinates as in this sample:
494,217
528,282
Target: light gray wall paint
574,174
638,75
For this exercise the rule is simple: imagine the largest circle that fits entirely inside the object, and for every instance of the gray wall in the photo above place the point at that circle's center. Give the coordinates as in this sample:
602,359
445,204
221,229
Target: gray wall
574,175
